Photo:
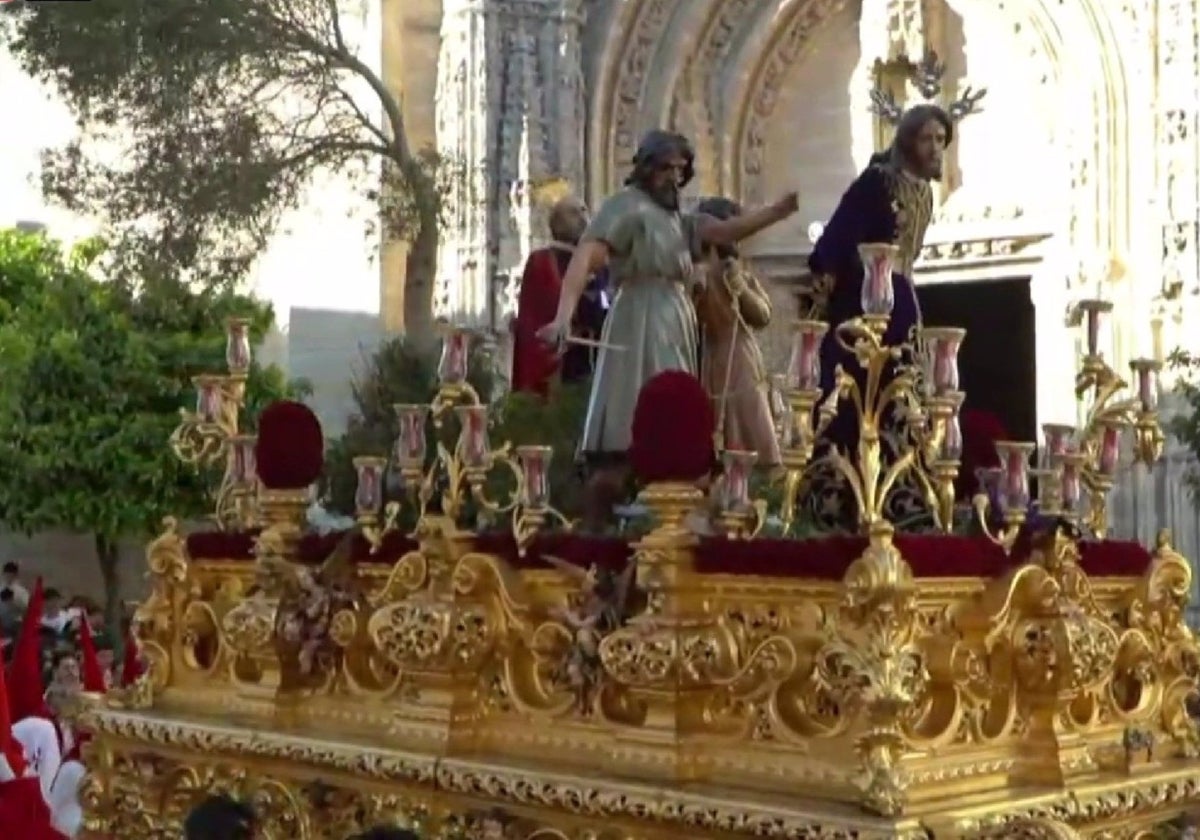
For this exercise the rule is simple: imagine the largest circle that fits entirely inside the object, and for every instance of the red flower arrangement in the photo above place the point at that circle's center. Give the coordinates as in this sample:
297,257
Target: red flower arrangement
290,450
980,431
672,429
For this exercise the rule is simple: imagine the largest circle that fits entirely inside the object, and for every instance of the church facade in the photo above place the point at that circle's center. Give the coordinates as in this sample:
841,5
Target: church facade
1078,179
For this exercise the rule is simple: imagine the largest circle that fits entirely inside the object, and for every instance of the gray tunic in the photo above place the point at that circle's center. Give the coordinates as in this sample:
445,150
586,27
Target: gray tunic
652,318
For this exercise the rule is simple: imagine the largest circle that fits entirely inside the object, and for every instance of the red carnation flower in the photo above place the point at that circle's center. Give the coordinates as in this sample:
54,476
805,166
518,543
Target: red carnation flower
290,450
672,429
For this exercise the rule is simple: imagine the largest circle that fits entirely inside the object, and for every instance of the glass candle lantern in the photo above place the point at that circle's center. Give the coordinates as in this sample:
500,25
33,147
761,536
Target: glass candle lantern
474,446
988,481
879,263
368,495
1108,448
1070,492
411,444
535,476
1059,439
735,480
1014,474
1049,484
455,358
804,361
208,398
243,469
237,345
1093,315
952,440
940,356
1145,375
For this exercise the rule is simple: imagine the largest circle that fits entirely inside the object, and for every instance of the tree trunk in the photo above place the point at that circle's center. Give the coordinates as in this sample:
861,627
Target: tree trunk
114,611
419,282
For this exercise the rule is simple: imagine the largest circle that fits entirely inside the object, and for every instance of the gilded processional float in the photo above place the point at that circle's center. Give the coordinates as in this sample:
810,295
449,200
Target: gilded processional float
522,681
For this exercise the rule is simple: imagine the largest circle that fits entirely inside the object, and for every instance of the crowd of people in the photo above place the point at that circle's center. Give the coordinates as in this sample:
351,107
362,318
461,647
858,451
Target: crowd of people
54,651
58,627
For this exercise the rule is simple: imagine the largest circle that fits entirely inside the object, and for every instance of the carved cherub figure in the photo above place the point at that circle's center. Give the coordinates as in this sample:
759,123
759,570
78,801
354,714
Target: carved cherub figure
308,598
600,606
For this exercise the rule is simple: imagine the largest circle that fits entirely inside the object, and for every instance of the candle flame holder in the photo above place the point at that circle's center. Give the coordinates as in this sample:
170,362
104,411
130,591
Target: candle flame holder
533,509
1111,412
1012,493
210,433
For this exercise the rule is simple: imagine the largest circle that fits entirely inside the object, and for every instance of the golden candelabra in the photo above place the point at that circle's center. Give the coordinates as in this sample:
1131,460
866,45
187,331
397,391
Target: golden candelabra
914,389
462,470
1074,460
211,432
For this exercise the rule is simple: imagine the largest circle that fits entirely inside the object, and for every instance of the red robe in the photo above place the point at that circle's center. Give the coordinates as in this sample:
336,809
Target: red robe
534,362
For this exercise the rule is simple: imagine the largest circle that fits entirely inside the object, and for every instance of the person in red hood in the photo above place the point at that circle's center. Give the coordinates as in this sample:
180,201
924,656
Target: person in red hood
24,813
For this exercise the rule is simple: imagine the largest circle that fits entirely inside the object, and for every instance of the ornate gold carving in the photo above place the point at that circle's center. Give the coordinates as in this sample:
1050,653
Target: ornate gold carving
879,692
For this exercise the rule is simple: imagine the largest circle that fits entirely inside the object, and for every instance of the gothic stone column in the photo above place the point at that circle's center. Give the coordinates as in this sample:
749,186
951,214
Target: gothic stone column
510,116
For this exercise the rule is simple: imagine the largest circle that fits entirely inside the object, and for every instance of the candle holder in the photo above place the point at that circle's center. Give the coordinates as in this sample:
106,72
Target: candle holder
1070,494
205,435
1012,492
878,296
800,389
1048,482
534,508
739,516
1110,415
237,497
869,479
458,472
941,451
368,493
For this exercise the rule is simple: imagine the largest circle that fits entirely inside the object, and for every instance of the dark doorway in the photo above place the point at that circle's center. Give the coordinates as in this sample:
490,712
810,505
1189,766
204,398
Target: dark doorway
998,360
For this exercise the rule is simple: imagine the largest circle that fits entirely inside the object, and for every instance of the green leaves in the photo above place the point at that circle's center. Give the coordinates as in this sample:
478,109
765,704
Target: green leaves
186,152
94,375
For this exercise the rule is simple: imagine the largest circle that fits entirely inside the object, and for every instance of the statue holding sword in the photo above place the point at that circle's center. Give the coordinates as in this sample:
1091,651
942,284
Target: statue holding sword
649,247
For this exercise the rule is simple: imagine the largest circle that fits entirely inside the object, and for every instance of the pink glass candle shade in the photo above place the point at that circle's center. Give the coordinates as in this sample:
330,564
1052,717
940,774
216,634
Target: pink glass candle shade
456,352
368,495
804,362
952,440
941,345
411,444
474,446
242,467
1108,450
1071,490
208,398
735,479
1145,372
1014,474
1093,316
1059,439
535,476
988,481
237,345
455,360
879,263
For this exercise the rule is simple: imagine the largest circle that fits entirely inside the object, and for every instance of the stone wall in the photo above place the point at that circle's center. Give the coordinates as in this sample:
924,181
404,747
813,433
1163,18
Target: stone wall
68,563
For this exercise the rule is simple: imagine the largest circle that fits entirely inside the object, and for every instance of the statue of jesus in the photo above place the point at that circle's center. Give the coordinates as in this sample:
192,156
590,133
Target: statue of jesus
649,247
890,202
